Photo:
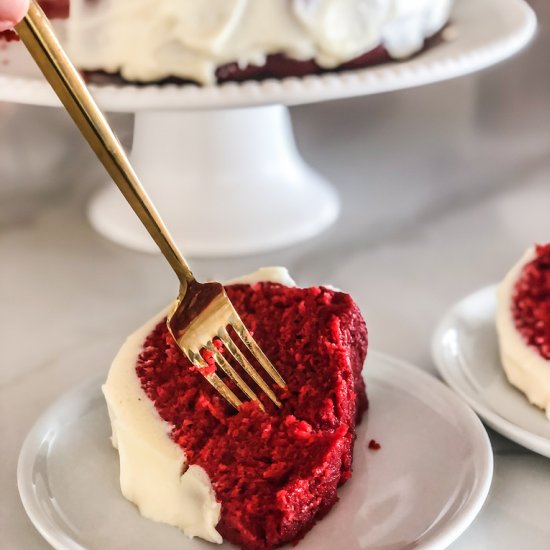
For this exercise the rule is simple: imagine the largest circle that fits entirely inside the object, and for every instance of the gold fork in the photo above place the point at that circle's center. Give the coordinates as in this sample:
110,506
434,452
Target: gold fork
203,312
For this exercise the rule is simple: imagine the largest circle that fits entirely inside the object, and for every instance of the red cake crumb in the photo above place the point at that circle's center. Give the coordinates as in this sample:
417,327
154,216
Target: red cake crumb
374,445
531,302
275,474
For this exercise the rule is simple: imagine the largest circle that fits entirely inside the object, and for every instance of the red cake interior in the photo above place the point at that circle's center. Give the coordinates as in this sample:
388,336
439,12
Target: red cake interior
275,474
531,302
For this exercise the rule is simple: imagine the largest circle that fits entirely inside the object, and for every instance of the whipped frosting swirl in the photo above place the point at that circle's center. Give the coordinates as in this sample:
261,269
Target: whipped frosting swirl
149,40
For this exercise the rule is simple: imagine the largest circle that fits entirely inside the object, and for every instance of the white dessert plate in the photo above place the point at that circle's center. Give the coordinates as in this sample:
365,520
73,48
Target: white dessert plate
420,490
465,350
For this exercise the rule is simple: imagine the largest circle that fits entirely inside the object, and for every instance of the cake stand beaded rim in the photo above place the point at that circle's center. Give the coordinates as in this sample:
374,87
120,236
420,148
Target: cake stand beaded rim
494,40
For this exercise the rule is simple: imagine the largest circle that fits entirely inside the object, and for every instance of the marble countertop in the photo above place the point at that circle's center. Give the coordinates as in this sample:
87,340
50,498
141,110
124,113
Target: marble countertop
443,188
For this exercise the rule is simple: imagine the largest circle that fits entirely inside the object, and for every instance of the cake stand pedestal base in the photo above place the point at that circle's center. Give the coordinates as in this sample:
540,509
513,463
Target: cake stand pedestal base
226,182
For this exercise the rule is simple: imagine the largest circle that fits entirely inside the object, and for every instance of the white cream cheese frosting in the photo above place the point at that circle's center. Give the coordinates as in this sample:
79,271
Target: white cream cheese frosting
154,473
525,368
149,40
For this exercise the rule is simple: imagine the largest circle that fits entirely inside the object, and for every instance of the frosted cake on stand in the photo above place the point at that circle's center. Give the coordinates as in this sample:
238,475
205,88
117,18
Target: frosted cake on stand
193,143
523,323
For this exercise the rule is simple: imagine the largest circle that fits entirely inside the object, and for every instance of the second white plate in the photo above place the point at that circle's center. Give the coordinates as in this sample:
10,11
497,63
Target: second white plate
465,350
421,490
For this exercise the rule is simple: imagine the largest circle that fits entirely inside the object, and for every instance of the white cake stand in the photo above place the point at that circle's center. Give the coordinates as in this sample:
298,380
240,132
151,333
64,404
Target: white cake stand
220,162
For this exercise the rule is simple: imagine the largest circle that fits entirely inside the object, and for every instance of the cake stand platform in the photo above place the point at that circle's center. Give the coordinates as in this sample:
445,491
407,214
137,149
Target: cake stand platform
220,162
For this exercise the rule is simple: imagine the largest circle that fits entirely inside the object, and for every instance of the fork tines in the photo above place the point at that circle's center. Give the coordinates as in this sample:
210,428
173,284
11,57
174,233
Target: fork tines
224,337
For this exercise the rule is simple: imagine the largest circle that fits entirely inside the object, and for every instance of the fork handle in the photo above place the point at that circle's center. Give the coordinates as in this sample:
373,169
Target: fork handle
37,34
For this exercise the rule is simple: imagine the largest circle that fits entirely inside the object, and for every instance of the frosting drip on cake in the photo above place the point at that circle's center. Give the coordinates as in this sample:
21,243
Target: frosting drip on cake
171,491
525,366
149,40
153,469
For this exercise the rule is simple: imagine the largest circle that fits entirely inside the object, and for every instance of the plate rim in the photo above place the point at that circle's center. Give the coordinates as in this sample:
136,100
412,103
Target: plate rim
25,461
311,88
440,539
534,442
460,523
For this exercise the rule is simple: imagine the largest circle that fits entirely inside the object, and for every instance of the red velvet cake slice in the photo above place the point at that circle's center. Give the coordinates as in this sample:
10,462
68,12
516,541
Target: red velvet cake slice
273,474
523,324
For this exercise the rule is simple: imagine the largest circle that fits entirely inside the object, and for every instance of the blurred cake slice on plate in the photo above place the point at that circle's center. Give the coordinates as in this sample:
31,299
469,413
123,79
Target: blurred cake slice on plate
523,325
